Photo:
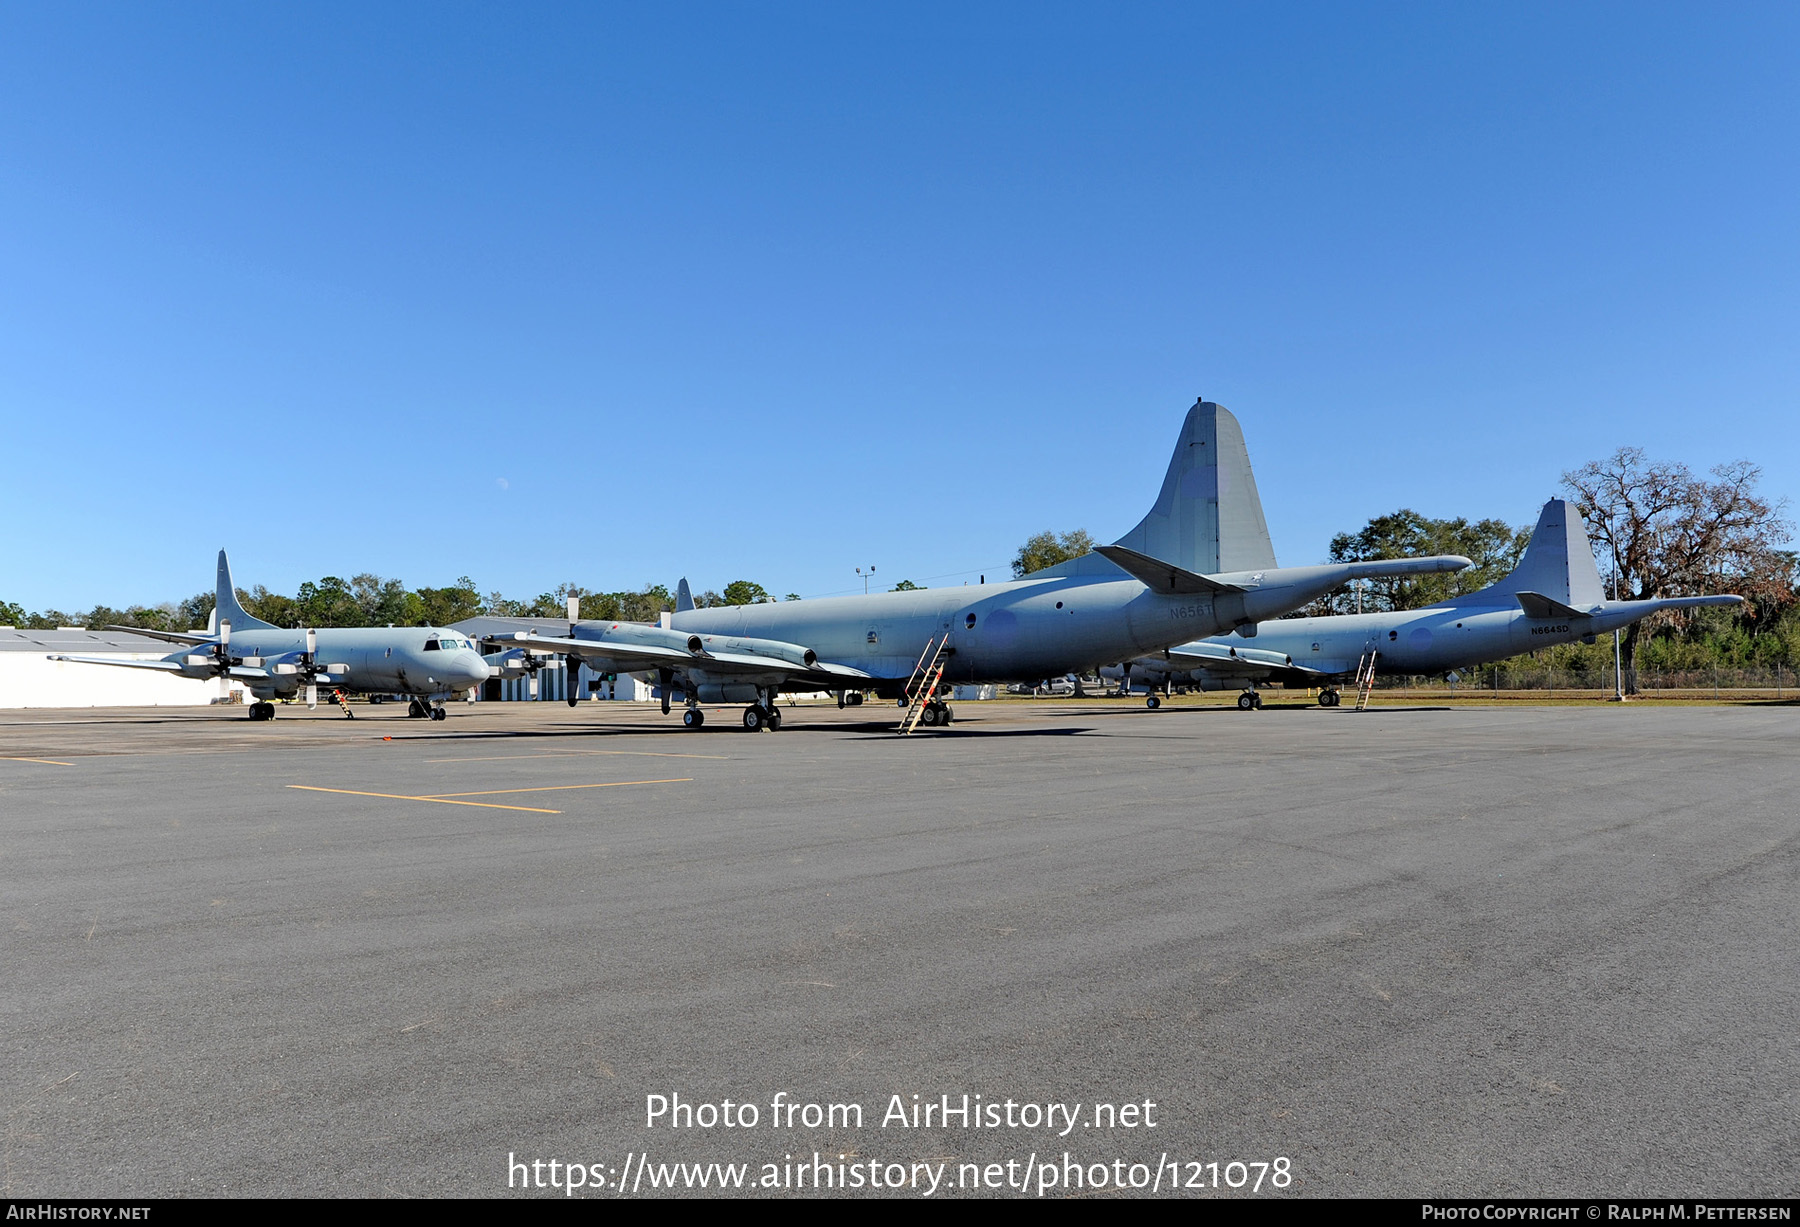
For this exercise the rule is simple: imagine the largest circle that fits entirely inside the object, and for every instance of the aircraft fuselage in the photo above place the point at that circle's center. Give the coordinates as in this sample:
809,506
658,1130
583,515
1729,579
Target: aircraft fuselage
1004,632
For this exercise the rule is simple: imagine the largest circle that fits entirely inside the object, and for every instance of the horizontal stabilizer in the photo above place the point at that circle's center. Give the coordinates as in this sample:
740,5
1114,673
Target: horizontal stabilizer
1537,605
1434,564
1164,577
1693,602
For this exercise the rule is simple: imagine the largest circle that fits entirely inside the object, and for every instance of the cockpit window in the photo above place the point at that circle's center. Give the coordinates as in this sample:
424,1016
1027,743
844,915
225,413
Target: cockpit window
431,645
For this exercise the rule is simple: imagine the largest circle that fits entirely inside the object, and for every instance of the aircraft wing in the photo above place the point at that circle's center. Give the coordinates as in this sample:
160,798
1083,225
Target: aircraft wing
164,666
1237,662
647,655
762,664
244,672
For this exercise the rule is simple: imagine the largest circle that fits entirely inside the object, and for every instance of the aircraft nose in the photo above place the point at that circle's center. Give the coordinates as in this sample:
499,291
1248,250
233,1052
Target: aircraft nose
471,669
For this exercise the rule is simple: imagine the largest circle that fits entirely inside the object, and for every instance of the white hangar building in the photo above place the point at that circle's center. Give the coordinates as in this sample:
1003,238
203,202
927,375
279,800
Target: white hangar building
27,679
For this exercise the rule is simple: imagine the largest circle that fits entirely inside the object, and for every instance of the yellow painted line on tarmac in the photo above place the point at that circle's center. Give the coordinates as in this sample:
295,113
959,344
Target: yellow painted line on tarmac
51,762
391,796
494,792
503,758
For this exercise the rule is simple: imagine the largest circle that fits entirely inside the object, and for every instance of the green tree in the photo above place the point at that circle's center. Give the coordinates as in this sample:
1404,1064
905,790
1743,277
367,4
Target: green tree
1047,548
1493,545
443,606
906,585
330,602
746,592
271,607
1662,531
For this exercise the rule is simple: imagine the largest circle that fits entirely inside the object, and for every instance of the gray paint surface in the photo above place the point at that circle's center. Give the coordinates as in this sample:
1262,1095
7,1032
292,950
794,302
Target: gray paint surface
1502,620
1476,953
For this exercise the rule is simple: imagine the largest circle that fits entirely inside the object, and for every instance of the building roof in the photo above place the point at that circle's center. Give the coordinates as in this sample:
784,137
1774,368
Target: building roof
81,642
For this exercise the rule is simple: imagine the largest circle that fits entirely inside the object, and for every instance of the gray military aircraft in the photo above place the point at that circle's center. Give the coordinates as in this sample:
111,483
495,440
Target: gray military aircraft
1553,596
1170,577
426,663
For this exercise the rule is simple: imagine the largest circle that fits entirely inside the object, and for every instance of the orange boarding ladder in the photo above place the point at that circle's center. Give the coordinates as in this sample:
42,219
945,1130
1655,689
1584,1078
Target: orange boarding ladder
924,681
1365,678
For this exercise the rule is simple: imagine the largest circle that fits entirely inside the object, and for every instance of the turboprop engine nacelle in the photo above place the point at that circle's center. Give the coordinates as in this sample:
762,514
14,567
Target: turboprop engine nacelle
715,645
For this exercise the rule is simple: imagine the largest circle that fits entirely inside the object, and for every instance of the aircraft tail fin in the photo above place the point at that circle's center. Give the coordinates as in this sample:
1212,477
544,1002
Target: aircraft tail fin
1558,564
684,596
1208,517
225,603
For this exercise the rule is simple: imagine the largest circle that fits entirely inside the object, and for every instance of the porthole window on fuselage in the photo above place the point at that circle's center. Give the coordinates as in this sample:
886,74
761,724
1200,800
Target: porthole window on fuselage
1392,635
969,621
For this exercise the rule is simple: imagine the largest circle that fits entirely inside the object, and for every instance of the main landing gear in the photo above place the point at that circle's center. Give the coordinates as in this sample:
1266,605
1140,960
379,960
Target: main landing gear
262,711
1329,697
693,717
424,711
1249,701
1153,701
763,714
937,712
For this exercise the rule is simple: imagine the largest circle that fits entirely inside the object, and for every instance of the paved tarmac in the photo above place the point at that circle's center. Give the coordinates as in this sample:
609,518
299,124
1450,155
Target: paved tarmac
1476,952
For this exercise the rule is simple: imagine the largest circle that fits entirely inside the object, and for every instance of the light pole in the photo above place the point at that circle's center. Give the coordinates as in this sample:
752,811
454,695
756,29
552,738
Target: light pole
1618,674
865,577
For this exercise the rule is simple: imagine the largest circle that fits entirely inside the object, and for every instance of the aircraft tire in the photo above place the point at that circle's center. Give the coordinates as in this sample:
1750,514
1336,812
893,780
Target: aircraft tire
414,711
948,716
855,700
929,716
693,717
773,719
753,719
1256,701
1246,701
438,713
1153,702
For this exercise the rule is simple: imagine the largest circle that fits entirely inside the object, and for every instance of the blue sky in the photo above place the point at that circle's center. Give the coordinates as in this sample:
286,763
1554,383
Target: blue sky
618,294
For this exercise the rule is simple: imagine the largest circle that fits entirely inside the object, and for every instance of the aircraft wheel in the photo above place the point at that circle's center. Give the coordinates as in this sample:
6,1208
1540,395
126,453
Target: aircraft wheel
438,713
1153,702
753,719
413,710
948,715
1256,701
855,700
929,716
693,717
773,719
1246,701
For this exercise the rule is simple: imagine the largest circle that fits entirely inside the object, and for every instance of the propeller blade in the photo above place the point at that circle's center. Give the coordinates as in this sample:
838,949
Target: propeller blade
224,635
312,641
312,695
224,685
533,684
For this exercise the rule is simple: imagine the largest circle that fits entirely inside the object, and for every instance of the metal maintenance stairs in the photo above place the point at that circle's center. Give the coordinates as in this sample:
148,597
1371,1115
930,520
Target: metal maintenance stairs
923,683
1365,678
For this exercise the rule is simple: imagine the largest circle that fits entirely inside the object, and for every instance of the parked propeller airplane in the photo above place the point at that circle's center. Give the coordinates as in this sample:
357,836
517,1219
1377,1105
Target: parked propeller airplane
425,662
1553,596
1172,575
